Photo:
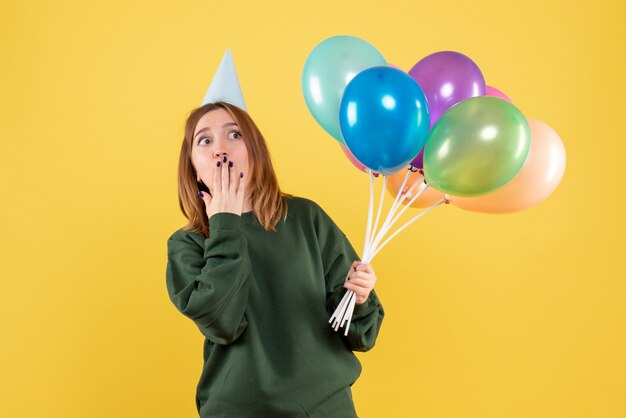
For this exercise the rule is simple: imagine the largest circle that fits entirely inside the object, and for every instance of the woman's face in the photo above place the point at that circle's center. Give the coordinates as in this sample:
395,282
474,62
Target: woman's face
216,136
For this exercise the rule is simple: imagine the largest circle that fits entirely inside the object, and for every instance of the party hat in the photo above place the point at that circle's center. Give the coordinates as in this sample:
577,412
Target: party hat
225,85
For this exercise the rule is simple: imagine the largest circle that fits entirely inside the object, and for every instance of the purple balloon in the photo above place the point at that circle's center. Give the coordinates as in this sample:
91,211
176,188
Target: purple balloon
418,162
447,77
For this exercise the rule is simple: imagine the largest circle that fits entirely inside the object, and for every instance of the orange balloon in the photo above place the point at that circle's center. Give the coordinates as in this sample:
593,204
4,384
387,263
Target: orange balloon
539,177
427,199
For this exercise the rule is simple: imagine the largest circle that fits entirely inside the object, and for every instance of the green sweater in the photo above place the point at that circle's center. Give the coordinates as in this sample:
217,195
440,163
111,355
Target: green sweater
262,300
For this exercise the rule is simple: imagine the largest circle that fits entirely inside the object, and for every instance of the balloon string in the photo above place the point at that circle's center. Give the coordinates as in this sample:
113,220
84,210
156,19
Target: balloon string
344,310
380,208
368,231
408,205
340,312
391,219
349,313
415,218
406,196
344,307
395,219
394,206
341,308
417,182
400,196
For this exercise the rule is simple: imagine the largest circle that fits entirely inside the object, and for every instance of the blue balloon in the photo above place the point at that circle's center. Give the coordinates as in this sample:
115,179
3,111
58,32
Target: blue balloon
384,118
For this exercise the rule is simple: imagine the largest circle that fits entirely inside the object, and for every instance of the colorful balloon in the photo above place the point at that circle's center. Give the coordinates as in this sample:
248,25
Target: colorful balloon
447,77
328,69
418,162
429,197
476,147
353,159
492,91
536,181
384,118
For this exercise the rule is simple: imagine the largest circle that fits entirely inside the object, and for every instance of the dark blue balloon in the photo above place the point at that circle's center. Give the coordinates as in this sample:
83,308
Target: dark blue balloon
384,118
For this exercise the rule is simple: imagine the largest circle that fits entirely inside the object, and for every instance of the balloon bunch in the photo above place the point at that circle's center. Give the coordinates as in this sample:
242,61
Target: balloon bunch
437,135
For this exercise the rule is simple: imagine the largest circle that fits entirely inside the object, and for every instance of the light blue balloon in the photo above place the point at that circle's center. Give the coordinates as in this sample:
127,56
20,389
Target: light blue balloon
328,70
384,118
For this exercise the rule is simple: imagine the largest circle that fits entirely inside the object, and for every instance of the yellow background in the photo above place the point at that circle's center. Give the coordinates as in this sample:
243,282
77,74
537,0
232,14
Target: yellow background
519,315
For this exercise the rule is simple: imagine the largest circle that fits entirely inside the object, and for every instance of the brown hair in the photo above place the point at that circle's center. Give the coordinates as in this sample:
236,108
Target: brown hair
268,202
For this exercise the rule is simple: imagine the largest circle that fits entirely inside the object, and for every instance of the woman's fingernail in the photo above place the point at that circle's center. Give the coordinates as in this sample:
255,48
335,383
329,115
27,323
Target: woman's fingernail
200,194
230,164
224,159
218,163
241,175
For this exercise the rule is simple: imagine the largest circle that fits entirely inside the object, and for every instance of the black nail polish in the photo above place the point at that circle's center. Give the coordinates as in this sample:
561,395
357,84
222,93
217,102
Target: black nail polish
241,175
200,194
230,164
218,163
224,158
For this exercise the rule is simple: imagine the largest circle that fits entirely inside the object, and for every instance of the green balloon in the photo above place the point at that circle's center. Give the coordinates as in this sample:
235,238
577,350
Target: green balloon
476,147
329,68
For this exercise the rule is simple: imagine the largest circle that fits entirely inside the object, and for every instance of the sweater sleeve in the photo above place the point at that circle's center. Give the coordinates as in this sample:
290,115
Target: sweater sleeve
367,317
208,280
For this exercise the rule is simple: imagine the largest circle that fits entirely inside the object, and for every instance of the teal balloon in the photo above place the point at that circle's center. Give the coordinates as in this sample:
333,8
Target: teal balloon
476,147
329,68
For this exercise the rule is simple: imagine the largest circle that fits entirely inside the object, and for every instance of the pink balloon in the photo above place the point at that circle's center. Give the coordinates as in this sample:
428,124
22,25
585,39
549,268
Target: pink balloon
492,91
353,159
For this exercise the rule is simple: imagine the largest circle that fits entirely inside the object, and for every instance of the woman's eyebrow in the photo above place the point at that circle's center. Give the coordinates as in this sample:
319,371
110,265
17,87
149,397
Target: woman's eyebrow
201,130
209,128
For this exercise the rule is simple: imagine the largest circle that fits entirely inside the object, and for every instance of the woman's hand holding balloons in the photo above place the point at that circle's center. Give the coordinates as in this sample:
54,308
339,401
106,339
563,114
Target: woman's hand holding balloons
228,189
361,281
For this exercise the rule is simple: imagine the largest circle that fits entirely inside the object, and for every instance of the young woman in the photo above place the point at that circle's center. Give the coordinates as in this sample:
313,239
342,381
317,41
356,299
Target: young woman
260,272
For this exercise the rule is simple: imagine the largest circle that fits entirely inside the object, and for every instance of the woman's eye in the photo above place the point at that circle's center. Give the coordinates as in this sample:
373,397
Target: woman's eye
204,139
234,135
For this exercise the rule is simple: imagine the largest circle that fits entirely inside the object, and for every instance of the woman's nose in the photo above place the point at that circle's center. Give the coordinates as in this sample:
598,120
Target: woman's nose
220,149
